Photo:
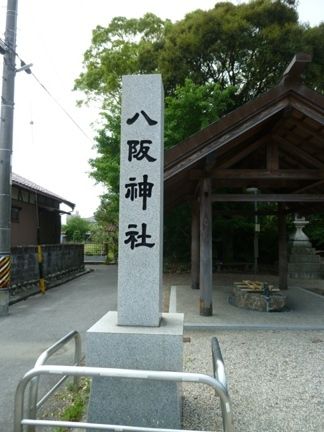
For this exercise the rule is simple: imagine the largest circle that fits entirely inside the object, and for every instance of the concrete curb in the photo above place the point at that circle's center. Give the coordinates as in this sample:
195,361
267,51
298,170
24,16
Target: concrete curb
212,326
173,299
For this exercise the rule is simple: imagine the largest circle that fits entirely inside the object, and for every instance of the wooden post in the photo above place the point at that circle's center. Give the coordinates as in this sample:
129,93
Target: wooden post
282,248
195,245
206,270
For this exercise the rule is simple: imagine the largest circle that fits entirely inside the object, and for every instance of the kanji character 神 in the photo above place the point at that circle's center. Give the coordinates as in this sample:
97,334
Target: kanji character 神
139,190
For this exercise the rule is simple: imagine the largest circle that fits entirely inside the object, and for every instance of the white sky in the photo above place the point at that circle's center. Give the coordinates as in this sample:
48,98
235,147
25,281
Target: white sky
53,35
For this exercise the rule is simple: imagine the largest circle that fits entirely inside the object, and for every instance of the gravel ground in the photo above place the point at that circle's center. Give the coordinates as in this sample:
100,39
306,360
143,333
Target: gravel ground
275,380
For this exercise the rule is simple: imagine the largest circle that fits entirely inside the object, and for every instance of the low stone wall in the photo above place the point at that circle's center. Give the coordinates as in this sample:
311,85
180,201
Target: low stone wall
59,260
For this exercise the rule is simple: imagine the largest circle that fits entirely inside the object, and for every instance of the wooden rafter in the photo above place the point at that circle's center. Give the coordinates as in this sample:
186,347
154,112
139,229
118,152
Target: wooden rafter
272,156
308,187
241,154
268,198
308,112
256,174
297,152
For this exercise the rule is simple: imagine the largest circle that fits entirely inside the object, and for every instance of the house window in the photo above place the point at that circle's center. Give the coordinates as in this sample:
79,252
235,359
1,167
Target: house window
15,211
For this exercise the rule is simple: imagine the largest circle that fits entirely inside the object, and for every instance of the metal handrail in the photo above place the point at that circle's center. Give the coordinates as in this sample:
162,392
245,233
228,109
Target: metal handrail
218,367
19,421
218,362
33,404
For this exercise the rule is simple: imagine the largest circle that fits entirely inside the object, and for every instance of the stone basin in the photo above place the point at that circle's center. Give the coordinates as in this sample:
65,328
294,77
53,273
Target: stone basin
275,302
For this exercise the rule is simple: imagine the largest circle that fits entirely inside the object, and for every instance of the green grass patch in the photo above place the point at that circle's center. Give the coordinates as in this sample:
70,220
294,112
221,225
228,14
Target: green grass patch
78,402
68,404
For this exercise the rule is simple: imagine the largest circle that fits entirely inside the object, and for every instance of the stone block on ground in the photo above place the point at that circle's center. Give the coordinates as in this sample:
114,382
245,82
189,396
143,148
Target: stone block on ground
129,401
258,301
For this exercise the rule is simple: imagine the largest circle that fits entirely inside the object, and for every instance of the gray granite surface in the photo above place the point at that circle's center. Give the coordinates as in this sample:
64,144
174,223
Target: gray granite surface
141,169
136,402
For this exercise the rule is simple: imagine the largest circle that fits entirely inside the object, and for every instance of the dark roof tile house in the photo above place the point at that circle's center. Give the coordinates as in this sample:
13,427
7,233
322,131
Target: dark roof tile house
35,207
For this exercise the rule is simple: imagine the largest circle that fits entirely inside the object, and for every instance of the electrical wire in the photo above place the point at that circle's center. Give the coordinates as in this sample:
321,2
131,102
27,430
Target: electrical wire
61,107
49,93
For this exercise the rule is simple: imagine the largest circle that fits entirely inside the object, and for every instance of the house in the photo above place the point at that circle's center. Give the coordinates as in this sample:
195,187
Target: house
35,207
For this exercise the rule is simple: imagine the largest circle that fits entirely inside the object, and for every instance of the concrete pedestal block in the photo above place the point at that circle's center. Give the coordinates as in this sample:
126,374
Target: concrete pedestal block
136,402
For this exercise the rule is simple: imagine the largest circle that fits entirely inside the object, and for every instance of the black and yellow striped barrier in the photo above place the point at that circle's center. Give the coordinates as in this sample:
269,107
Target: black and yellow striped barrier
41,282
5,271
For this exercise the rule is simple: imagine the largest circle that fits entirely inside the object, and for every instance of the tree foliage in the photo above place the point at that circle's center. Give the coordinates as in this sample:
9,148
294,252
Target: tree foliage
76,229
125,46
193,107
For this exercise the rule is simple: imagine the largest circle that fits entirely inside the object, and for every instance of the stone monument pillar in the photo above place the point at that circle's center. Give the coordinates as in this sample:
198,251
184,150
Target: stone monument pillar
138,335
303,263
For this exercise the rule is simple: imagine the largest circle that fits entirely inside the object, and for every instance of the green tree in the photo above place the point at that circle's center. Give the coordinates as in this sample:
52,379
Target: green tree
247,46
193,107
76,229
125,46
107,224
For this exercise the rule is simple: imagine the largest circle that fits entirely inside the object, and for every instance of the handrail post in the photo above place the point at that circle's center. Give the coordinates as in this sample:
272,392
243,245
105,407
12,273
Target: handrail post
42,358
219,372
19,405
77,358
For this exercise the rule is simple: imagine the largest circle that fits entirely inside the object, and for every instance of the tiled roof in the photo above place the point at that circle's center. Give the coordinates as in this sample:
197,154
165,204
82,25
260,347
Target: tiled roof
18,180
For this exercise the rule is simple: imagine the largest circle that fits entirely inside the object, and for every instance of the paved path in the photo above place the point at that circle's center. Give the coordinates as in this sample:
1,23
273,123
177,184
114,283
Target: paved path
35,324
306,309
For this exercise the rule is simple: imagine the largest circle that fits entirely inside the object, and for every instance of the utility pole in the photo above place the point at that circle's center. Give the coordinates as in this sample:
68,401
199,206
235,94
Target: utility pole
6,134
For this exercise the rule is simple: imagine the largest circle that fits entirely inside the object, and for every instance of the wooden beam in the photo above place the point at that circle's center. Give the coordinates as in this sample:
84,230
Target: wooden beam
206,268
239,211
267,198
272,156
241,154
282,248
195,249
308,187
295,151
209,140
308,111
255,174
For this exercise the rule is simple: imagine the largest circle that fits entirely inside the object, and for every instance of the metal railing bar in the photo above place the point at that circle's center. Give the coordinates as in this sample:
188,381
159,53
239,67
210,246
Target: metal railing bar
218,362
127,373
58,345
43,357
219,369
41,402
122,373
117,428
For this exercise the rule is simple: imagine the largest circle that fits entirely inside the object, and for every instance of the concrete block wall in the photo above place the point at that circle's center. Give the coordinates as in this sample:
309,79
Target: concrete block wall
58,261
24,265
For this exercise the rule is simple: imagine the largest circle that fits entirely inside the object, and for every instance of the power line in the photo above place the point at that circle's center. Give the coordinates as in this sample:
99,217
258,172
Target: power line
61,107
47,91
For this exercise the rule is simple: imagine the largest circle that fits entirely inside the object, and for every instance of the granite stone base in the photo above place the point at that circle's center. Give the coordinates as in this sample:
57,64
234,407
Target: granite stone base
304,263
135,402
